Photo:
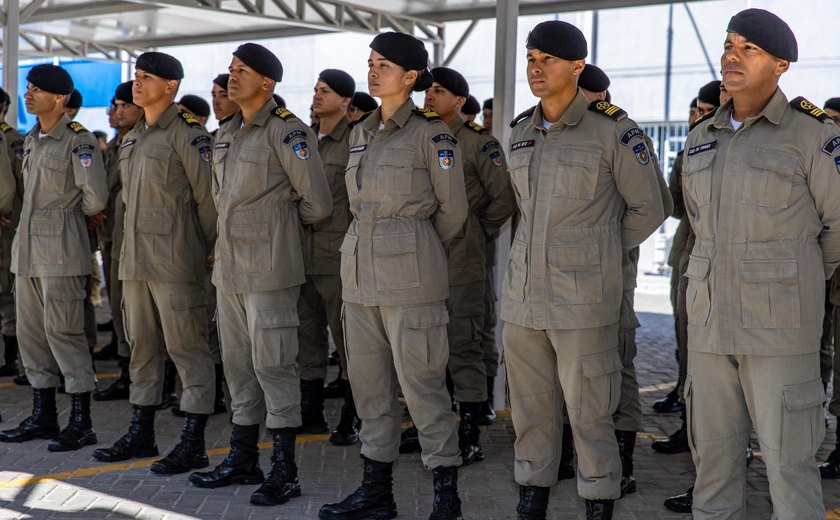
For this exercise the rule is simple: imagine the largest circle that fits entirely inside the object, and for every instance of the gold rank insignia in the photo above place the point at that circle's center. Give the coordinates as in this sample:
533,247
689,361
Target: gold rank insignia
5,127
282,113
190,119
803,105
475,127
607,109
76,127
431,115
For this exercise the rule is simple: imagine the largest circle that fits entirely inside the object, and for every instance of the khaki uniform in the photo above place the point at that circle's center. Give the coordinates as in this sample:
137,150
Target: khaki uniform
14,145
107,237
406,188
268,181
320,297
833,363
63,181
678,249
487,334
586,193
170,228
491,202
763,203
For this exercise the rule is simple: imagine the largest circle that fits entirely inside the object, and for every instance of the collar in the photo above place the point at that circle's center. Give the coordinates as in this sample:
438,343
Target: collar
772,112
57,131
168,116
456,124
571,117
339,130
400,117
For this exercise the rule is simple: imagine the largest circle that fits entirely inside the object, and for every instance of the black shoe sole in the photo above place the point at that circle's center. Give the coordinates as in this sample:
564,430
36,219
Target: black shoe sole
380,514
26,438
265,500
232,481
340,440
141,454
162,469
58,446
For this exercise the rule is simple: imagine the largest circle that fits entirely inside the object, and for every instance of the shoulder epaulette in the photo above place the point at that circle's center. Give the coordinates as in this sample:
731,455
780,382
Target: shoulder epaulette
190,120
282,113
475,127
76,127
226,119
607,109
359,121
806,107
524,115
702,118
431,115
5,127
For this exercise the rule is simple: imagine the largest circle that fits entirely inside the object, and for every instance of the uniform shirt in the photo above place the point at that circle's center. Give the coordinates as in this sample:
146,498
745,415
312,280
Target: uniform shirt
63,181
764,204
324,238
170,219
268,177
14,147
406,189
587,192
491,201
111,157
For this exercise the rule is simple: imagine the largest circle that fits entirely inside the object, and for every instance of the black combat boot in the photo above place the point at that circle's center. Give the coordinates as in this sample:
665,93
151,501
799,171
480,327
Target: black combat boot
567,455
447,504
681,503
219,400
336,387
139,442
373,499
626,445
599,509
107,352
10,356
677,442
533,503
282,482
312,407
42,424
830,469
168,396
347,431
119,389
469,434
487,416
670,403
79,431
241,466
410,440
21,379
189,453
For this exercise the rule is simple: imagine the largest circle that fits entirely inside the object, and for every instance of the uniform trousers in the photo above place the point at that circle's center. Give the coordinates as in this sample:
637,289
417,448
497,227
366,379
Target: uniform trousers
467,368
319,306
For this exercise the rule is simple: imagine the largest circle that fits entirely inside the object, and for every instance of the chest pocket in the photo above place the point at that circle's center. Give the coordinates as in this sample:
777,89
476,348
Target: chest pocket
156,165
519,163
351,174
54,173
219,155
578,176
394,172
697,178
769,178
252,173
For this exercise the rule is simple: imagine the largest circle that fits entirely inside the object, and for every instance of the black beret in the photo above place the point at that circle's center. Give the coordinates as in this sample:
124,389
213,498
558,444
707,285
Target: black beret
161,65
833,103
593,79
488,104
364,102
451,80
75,100
51,78
560,39
693,103
403,49
338,80
222,81
124,92
766,30
261,60
99,134
471,106
710,93
196,105
279,100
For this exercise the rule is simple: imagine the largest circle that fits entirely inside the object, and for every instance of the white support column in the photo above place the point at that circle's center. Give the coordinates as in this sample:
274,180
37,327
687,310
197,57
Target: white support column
11,32
504,89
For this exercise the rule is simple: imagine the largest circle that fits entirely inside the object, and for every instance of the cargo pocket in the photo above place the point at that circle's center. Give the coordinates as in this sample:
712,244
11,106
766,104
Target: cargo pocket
770,294
517,271
577,177
802,423
394,172
252,173
54,173
65,310
423,344
575,272
348,262
769,178
395,261
46,236
600,385
154,238
276,340
251,245
697,178
697,296
155,167
518,164
190,310
351,173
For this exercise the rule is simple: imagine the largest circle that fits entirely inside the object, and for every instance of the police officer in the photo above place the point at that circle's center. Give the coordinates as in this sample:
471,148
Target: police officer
320,297
470,109
268,180
362,104
170,230
74,104
832,108
223,107
760,182
195,106
487,114
406,188
586,193
64,182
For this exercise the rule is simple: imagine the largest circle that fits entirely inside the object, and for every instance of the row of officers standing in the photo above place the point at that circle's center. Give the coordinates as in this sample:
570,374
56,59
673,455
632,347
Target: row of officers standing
260,201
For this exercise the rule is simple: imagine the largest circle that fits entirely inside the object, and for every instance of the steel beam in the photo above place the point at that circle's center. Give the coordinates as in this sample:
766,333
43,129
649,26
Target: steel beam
11,34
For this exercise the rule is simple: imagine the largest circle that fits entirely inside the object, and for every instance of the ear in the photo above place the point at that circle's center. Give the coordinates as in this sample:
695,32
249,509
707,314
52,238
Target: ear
577,67
410,77
171,86
459,102
782,66
269,84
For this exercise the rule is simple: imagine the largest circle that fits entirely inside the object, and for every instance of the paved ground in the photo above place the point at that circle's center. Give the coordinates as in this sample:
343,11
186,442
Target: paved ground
37,484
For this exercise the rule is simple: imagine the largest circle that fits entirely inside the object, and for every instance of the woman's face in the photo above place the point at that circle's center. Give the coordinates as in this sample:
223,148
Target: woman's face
386,78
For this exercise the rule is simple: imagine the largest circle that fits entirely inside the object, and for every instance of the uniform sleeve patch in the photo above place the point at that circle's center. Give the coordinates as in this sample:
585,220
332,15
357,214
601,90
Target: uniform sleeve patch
200,139
444,138
446,158
128,143
86,147
357,149
641,153
705,147
630,134
489,145
222,146
302,151
206,153
293,134
837,163
522,144
831,145
86,159
496,157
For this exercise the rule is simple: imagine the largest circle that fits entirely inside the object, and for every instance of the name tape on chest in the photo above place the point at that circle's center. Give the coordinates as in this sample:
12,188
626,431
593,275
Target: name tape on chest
222,146
359,148
128,143
522,144
705,147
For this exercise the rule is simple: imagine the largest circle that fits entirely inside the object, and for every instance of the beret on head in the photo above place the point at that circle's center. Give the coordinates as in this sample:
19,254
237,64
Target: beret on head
558,38
75,100
451,80
766,30
124,93
710,93
488,104
261,60
471,106
279,100
593,79
339,81
222,81
51,78
693,103
161,65
196,105
364,102
403,49
833,103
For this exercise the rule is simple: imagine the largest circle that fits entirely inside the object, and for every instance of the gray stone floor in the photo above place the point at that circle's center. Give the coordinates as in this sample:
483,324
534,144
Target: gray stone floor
37,484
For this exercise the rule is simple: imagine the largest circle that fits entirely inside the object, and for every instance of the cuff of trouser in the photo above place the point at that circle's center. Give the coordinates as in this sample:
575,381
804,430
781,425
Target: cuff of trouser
275,422
198,410
438,461
380,455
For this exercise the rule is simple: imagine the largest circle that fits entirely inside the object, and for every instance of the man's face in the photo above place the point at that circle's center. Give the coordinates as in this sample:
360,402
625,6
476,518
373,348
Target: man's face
147,89
244,82
443,101
746,67
834,114
127,114
325,100
549,75
222,105
704,108
39,101
487,118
